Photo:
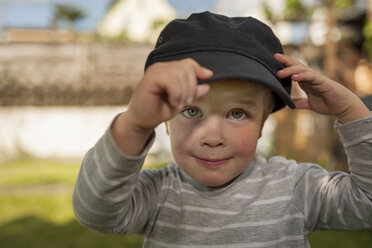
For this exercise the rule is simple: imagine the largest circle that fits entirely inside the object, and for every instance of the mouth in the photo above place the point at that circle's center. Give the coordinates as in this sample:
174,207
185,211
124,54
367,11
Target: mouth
212,163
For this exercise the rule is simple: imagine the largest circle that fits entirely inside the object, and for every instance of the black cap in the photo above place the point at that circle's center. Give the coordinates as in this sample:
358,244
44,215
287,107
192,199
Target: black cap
239,48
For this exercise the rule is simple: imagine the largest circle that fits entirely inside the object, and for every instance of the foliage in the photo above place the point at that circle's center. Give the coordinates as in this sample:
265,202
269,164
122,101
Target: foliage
367,33
294,11
268,13
68,13
158,24
112,3
343,4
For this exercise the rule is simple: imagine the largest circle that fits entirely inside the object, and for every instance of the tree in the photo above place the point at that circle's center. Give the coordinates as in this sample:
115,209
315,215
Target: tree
69,14
294,11
112,3
367,31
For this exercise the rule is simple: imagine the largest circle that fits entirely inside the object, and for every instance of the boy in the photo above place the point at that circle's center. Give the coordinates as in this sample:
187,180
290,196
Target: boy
218,193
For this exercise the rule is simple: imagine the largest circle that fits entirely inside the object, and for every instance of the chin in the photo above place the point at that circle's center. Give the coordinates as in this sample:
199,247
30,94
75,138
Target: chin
217,182
214,183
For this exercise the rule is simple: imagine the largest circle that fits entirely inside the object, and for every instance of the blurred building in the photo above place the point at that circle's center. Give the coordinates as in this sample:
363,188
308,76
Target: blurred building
23,35
246,8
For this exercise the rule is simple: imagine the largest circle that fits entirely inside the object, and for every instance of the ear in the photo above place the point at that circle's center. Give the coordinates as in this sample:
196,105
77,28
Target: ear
264,119
166,127
260,134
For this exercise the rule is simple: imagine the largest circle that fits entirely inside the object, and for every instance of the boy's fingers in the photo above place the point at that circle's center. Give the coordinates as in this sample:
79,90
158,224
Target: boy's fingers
288,71
286,60
301,103
199,72
174,97
203,73
305,77
182,87
184,83
201,90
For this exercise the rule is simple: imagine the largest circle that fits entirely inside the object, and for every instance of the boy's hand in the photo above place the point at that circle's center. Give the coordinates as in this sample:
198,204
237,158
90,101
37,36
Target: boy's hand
324,95
165,89
161,94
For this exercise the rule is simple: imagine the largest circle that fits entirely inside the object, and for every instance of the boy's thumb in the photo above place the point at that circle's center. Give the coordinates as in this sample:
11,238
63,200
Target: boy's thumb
203,73
201,90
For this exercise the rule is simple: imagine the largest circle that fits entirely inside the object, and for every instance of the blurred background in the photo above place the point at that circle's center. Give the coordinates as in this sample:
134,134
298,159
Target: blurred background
68,67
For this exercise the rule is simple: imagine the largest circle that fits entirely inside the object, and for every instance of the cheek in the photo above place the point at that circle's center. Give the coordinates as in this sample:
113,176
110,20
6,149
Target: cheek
181,136
245,140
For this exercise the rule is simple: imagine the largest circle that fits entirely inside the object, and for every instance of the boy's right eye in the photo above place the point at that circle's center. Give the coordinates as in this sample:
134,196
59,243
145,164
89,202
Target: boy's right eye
192,112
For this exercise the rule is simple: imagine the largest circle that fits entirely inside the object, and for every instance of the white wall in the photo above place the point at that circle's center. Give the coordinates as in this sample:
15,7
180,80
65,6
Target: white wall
58,132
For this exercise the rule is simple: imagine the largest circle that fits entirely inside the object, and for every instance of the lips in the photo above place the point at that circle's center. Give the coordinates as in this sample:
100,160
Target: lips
212,163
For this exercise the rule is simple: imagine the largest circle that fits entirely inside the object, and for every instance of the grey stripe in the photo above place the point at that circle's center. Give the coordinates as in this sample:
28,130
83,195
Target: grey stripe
229,226
241,245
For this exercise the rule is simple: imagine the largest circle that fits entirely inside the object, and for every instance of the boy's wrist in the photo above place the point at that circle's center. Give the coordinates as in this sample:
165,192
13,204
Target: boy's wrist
126,121
129,137
355,112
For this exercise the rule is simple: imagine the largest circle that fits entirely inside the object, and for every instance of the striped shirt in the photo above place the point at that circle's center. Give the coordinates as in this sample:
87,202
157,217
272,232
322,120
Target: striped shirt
274,203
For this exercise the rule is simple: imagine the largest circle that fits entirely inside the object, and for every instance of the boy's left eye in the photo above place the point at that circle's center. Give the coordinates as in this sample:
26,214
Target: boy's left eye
192,112
236,114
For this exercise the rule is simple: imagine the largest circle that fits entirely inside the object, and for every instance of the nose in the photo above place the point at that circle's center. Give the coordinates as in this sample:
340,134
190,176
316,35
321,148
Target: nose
212,133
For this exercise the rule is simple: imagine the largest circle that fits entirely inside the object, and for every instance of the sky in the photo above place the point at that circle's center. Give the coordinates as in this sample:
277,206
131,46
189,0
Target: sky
39,13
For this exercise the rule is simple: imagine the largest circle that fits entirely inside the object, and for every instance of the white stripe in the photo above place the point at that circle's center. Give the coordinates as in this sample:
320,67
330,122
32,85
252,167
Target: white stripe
356,210
257,180
165,187
279,180
241,196
223,212
358,140
107,156
114,182
240,245
229,226
360,161
200,209
109,159
362,179
273,200
100,196
340,216
306,190
90,224
91,210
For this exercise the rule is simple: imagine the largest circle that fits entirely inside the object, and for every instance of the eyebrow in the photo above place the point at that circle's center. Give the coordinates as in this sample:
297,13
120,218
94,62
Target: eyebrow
247,101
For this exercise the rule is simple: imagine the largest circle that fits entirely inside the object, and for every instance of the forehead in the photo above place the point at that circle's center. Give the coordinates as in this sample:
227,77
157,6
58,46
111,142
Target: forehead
237,89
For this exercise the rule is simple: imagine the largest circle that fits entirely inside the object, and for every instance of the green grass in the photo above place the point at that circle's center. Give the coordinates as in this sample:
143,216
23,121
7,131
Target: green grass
37,214
320,239
24,172
48,221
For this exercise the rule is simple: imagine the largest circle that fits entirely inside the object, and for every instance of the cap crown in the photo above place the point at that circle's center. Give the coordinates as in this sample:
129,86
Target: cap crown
202,32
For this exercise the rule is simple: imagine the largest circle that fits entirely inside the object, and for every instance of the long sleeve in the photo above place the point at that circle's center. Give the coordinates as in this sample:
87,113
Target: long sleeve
273,203
104,198
336,200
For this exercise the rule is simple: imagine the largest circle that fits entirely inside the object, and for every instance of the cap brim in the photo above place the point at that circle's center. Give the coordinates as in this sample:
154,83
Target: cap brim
227,65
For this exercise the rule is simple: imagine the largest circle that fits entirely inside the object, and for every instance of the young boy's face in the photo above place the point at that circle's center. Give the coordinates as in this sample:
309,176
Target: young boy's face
214,138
